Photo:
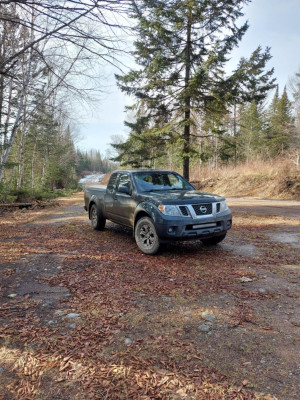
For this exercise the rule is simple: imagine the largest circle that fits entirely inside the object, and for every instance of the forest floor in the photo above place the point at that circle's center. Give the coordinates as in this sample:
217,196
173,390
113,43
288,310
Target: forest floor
86,315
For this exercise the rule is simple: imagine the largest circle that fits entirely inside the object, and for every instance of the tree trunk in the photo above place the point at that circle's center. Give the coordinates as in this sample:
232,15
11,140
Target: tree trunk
21,158
234,134
5,124
1,110
187,111
18,117
32,163
9,111
13,133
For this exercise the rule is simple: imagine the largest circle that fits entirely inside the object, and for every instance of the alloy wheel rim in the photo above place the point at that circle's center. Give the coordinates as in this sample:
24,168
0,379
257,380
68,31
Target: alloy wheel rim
147,236
94,216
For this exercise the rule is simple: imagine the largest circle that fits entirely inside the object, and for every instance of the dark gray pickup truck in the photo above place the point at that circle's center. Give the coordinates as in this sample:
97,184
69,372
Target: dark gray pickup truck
160,206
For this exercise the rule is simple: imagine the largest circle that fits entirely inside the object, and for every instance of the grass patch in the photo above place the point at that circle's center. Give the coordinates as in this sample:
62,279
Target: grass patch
278,179
27,195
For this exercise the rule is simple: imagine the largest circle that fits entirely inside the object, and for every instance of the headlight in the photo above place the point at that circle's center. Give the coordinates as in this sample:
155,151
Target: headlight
169,210
223,206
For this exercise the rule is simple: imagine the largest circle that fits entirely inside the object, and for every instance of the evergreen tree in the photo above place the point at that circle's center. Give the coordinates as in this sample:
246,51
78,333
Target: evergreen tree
182,49
144,144
281,124
294,86
274,103
251,131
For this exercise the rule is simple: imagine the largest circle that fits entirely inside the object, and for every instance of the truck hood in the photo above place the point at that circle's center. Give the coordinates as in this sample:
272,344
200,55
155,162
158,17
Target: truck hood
181,197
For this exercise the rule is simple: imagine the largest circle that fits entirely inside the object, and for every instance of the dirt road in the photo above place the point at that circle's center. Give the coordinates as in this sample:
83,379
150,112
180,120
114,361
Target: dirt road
280,208
84,314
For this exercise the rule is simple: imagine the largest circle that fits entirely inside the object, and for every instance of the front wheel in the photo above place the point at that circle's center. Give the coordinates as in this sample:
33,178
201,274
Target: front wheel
97,219
213,240
146,237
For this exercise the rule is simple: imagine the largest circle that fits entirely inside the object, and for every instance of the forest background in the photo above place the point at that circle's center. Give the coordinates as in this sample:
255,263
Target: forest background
188,113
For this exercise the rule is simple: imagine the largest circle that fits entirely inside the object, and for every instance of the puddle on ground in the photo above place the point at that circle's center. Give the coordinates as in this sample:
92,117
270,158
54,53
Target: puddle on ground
288,238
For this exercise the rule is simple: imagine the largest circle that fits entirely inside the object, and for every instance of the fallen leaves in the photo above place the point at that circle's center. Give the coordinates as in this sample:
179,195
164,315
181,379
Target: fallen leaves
119,293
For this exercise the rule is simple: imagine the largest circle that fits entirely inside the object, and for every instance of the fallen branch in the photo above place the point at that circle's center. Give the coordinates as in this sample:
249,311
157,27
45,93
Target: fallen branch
17,205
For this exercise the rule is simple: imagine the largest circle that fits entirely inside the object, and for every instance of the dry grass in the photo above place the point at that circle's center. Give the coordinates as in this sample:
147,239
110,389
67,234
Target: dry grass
279,168
264,179
105,180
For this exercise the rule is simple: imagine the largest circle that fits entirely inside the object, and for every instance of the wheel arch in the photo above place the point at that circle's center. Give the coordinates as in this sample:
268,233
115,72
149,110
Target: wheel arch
140,214
92,202
146,236
146,209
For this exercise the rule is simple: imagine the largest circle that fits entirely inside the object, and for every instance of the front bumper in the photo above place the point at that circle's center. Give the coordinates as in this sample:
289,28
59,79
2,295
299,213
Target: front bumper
170,228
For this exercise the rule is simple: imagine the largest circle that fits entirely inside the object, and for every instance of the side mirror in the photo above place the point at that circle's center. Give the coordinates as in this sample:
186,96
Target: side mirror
123,189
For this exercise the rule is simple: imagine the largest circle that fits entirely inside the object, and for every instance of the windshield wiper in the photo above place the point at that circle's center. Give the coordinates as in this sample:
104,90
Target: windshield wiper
164,189
153,190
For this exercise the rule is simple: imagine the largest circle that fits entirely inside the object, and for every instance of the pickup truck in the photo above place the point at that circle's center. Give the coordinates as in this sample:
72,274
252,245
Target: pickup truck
160,206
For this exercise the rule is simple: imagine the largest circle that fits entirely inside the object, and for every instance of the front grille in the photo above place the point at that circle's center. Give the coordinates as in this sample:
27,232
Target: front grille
202,209
184,211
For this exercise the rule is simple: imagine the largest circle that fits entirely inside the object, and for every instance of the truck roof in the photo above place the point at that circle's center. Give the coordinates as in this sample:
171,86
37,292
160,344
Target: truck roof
142,170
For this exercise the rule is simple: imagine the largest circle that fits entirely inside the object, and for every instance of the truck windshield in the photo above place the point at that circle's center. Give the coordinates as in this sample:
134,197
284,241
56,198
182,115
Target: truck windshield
152,181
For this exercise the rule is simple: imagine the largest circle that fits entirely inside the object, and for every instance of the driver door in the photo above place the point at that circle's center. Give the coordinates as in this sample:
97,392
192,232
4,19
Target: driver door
124,204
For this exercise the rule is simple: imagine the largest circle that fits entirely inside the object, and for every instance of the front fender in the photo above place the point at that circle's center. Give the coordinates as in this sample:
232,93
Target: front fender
150,209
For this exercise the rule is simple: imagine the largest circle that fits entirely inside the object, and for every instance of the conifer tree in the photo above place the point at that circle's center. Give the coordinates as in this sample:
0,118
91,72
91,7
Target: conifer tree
295,88
274,103
251,131
281,124
182,48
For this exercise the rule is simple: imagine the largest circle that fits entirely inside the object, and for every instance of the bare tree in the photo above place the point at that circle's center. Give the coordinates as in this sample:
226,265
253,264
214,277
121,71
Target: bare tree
67,21
19,108
56,50
294,88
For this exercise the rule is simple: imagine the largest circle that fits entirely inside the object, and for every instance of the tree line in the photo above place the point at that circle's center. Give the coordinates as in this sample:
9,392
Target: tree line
51,52
93,161
188,108
251,131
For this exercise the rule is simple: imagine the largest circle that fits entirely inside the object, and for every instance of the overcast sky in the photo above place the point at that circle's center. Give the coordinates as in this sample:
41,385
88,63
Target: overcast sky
273,23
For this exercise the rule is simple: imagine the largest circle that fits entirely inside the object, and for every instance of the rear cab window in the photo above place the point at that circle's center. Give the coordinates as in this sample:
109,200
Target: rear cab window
124,180
112,183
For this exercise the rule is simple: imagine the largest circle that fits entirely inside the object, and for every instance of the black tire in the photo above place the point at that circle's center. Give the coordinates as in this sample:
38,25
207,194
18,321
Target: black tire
97,219
213,240
146,237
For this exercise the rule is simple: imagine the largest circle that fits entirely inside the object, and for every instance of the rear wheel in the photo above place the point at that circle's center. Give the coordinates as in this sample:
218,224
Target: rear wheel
97,219
146,237
213,240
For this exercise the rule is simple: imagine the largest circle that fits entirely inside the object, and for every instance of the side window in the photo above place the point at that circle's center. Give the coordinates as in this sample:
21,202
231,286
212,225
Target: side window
112,183
124,180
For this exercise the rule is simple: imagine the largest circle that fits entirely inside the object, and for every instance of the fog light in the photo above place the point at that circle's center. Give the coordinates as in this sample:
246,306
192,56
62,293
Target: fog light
170,229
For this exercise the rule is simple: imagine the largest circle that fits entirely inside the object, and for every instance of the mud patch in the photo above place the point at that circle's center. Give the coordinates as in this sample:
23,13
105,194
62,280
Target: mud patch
275,284
62,216
24,278
245,250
